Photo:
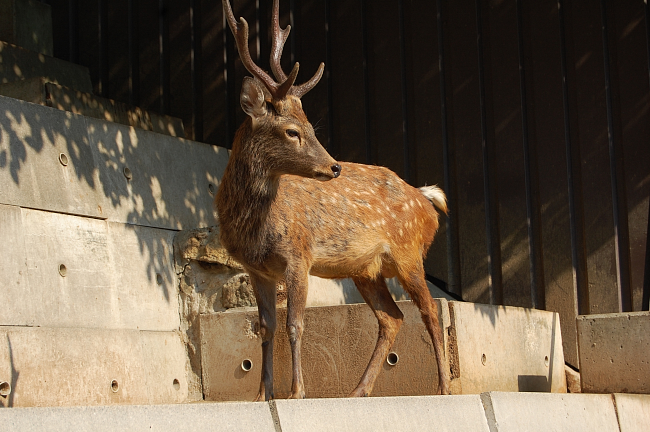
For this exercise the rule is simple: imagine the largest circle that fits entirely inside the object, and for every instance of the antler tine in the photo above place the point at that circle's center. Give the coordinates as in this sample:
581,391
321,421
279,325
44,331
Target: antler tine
278,37
299,91
240,31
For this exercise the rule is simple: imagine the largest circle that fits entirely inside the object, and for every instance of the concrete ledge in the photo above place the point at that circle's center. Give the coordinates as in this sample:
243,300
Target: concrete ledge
17,64
68,367
532,412
27,23
633,412
426,413
614,352
235,417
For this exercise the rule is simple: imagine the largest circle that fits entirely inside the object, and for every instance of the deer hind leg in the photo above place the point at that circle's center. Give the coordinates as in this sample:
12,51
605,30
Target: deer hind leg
296,281
415,284
376,294
265,294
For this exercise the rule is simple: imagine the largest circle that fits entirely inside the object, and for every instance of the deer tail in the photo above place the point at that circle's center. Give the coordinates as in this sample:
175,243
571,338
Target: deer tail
436,196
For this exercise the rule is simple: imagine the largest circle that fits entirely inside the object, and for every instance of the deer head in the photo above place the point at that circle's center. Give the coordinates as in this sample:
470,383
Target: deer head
279,132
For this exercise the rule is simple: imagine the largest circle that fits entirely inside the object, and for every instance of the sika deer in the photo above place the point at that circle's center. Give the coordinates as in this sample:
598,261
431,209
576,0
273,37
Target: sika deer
287,209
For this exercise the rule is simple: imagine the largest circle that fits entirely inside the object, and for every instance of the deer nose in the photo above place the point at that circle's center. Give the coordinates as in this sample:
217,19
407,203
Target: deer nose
336,169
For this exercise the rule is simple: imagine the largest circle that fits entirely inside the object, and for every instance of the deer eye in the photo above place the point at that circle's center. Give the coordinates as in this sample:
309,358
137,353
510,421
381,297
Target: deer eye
292,133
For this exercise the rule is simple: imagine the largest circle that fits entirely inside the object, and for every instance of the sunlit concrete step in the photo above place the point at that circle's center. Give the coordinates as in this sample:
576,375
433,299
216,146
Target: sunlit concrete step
40,91
503,412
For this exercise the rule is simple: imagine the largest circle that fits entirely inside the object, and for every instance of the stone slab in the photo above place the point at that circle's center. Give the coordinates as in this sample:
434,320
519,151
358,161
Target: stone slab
39,91
18,63
532,412
116,275
71,367
27,23
169,183
337,344
633,412
614,352
424,413
235,417
503,348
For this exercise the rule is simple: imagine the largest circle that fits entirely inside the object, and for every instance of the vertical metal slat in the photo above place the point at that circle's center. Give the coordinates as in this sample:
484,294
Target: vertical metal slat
370,155
404,87
134,53
645,302
196,69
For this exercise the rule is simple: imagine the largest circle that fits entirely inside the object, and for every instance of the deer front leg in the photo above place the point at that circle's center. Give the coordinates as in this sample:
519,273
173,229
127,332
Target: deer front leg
297,282
389,316
265,295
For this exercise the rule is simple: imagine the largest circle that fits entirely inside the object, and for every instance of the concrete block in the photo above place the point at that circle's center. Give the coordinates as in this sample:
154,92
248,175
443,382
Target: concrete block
614,352
541,412
46,160
633,412
74,366
424,413
27,23
231,417
337,344
111,171
39,91
502,348
18,63
116,275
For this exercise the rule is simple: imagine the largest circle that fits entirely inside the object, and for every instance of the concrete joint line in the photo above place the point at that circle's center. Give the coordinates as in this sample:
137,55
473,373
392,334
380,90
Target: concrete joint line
488,408
274,415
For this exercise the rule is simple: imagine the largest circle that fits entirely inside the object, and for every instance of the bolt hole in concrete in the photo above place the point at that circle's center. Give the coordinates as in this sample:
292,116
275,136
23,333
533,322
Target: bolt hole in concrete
246,365
127,173
176,384
115,386
211,189
63,159
63,270
483,359
392,358
546,361
159,279
5,388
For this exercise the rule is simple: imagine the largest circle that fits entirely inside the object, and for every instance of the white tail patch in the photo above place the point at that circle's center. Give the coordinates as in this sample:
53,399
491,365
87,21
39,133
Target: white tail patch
436,196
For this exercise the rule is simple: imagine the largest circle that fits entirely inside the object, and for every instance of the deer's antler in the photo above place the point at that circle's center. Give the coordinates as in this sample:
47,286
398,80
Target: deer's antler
284,85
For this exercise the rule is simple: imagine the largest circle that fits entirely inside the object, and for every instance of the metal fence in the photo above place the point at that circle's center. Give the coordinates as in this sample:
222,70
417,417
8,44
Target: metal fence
533,115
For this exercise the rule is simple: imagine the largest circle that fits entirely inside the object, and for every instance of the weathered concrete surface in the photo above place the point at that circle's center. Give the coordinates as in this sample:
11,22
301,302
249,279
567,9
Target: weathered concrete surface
424,413
337,344
532,412
39,91
111,171
27,23
235,417
67,366
633,412
116,275
502,348
572,380
18,63
615,352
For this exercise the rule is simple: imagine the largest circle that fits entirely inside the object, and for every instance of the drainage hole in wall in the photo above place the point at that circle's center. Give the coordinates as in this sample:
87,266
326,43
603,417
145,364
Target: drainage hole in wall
212,189
5,388
159,279
392,358
63,270
246,365
127,173
483,359
176,384
63,159
115,386
546,361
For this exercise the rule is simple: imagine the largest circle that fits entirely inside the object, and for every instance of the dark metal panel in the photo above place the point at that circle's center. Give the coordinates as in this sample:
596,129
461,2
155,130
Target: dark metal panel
134,53
118,50
179,49
149,54
645,304
349,133
196,68
529,139
103,35
384,85
495,284
164,56
88,40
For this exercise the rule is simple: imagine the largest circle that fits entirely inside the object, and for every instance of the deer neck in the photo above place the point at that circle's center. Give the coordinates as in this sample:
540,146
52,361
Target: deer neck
245,196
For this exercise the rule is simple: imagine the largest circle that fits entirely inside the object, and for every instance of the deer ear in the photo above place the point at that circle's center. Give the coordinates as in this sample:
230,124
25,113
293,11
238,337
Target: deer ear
252,98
